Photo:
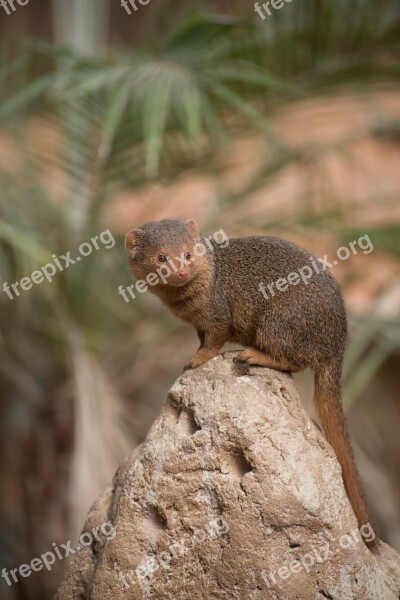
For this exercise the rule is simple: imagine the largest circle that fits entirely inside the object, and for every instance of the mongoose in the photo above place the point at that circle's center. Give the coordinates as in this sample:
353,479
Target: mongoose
219,293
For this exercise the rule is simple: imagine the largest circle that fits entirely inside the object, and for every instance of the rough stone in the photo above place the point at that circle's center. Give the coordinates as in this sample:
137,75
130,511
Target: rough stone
235,494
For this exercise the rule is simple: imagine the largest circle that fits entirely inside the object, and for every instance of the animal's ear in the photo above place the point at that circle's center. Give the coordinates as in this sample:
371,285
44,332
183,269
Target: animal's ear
132,241
193,228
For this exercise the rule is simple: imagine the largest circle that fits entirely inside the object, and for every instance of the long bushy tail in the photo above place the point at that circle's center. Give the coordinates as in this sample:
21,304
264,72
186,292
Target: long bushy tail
329,407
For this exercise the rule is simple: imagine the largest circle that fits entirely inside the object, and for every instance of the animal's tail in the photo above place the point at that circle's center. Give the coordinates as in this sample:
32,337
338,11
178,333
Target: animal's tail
329,407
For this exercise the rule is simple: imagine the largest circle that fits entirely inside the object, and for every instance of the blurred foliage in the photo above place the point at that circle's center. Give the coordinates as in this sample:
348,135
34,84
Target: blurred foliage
386,239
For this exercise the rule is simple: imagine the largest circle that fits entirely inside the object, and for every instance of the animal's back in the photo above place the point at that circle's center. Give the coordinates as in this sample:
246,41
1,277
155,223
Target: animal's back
307,317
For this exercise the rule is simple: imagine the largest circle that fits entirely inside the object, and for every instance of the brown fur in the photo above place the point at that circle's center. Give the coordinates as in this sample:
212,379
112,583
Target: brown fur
304,326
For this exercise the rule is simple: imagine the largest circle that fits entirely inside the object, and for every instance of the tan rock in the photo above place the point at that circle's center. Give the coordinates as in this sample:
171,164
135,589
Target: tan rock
234,494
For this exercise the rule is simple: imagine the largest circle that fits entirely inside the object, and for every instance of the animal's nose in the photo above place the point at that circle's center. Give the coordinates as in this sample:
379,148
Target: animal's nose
182,274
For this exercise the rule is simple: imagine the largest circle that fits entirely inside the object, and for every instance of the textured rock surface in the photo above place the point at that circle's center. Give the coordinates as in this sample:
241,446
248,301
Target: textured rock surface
234,494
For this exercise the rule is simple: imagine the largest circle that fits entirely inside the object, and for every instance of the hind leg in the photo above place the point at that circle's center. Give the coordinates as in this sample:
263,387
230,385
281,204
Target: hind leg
256,357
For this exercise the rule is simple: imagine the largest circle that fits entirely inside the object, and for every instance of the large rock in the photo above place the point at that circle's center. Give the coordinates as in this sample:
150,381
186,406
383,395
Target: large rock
234,494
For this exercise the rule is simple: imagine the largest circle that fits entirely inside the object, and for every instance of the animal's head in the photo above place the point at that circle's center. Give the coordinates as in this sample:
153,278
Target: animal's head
165,252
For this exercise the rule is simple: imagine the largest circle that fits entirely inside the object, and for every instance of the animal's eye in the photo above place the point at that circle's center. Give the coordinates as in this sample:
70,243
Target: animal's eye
162,258
188,255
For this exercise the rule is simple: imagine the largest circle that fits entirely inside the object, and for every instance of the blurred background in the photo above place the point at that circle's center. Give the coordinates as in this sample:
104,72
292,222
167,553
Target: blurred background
288,126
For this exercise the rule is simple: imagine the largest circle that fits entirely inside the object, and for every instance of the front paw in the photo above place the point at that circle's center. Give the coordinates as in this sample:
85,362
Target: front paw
198,359
193,363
